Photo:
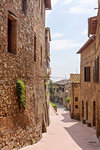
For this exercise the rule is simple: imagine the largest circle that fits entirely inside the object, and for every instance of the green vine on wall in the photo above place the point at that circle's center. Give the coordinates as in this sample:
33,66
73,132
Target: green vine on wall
21,93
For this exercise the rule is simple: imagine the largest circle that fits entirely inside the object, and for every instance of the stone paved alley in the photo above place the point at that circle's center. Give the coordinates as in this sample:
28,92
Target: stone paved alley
66,134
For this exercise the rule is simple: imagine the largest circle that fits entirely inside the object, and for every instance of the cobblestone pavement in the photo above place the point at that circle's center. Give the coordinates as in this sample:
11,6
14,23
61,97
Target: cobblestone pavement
66,134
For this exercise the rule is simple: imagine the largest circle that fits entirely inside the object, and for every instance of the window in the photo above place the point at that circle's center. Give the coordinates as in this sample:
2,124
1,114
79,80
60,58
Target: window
24,6
96,70
76,99
35,48
76,106
57,90
41,56
12,33
87,74
62,89
86,110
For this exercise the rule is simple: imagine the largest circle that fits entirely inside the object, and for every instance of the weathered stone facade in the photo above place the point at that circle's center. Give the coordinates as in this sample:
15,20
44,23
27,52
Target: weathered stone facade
75,96
88,88
61,91
48,69
18,127
90,79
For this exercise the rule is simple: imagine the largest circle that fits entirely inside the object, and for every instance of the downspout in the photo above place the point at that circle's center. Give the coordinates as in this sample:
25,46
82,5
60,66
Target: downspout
73,99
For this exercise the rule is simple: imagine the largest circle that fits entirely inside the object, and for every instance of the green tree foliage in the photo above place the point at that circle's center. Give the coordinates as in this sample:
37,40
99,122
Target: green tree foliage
21,92
68,99
51,88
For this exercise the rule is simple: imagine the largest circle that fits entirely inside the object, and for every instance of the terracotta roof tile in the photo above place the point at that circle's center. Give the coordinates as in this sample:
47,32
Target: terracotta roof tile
47,4
92,25
75,78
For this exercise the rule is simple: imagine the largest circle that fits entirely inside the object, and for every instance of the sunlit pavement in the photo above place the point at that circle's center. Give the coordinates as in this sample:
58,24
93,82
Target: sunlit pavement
66,134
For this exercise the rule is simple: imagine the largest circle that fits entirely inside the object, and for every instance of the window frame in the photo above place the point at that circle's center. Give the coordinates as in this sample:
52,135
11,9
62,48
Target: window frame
24,7
12,33
87,74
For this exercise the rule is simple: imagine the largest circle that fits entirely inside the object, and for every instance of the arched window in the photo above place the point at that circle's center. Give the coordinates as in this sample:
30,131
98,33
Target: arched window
24,6
76,99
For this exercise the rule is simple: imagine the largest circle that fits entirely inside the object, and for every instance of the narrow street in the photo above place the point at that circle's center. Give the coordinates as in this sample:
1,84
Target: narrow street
66,134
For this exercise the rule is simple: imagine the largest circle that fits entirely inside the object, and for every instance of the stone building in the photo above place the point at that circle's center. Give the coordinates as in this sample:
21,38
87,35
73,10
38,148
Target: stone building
88,87
22,56
61,91
90,75
75,96
48,69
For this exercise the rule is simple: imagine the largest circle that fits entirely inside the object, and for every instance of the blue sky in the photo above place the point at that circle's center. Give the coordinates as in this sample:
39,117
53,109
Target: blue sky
68,21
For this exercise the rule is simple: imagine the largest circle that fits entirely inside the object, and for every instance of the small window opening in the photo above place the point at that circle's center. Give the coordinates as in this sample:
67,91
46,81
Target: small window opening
24,6
12,33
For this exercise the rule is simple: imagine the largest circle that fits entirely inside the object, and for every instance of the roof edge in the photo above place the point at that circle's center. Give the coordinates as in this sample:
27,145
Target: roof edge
86,45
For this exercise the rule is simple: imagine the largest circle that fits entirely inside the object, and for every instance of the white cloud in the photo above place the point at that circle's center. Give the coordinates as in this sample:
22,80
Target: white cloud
80,10
85,32
57,35
86,2
67,1
81,6
54,2
65,44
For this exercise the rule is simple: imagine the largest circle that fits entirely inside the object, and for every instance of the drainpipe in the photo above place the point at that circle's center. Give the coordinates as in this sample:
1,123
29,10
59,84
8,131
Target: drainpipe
73,99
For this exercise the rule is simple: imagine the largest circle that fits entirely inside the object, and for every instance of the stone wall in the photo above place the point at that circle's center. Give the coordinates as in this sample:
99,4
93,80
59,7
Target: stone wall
75,92
18,127
88,89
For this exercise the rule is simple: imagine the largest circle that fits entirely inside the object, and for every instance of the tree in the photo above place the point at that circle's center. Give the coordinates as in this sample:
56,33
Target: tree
51,89
68,99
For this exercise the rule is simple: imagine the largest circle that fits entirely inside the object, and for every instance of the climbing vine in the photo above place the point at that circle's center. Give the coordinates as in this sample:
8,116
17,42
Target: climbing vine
21,93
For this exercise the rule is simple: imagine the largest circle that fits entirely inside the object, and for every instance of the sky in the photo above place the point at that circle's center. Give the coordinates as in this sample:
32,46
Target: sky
68,22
